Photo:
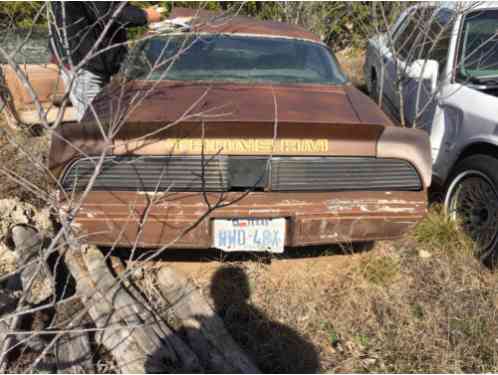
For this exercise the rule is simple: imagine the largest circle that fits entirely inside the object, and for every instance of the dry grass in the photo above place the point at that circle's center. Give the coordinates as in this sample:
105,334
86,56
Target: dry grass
421,304
14,147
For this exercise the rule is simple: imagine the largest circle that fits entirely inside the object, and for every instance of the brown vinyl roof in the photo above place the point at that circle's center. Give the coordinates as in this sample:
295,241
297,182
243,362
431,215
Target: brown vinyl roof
214,22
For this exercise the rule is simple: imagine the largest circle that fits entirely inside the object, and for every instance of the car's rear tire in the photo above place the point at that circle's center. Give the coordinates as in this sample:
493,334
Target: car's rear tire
472,198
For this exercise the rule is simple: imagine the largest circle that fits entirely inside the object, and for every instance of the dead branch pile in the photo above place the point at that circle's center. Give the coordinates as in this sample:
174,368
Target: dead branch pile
65,315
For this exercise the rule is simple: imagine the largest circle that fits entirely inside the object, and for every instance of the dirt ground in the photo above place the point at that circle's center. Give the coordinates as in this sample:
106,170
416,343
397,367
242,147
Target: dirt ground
275,306
418,304
278,268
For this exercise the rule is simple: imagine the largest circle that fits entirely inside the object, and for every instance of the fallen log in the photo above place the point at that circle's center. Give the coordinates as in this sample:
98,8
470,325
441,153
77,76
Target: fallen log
73,351
36,278
26,242
74,354
129,331
8,303
113,335
205,330
7,342
127,326
148,314
128,308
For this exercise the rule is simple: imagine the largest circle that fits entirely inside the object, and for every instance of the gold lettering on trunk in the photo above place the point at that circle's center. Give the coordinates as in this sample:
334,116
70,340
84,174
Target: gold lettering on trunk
247,146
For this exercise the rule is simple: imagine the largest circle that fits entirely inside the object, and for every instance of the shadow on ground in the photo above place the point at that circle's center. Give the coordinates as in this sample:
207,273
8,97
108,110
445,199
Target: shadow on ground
215,255
272,346
275,347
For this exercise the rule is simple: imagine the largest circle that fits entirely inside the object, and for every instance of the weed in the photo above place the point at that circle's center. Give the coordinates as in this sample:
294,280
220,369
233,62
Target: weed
333,336
438,232
379,270
418,311
362,340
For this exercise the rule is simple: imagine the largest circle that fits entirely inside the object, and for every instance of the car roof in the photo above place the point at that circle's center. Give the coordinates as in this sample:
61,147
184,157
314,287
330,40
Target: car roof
215,22
467,5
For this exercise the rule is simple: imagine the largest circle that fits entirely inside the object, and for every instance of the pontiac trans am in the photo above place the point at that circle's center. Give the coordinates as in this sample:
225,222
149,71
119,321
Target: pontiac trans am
246,136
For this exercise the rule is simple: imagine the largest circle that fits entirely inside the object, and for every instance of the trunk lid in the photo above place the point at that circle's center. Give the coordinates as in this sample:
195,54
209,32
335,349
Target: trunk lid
232,119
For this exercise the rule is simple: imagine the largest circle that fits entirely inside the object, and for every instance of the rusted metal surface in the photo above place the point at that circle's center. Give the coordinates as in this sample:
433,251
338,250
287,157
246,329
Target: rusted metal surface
214,22
403,143
242,119
167,101
229,102
340,114
116,218
186,138
235,116
340,120
46,84
44,79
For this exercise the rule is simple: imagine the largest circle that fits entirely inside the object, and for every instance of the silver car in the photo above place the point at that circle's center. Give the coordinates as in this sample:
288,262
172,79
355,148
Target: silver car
437,68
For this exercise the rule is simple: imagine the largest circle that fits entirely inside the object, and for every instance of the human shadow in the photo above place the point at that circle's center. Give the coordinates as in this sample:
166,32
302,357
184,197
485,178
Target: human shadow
274,347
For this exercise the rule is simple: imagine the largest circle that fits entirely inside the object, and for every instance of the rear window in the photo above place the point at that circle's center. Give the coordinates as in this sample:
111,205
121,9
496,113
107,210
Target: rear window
233,58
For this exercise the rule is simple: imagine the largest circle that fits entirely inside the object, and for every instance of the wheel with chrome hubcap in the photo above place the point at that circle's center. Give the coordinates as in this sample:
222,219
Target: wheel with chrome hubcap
472,200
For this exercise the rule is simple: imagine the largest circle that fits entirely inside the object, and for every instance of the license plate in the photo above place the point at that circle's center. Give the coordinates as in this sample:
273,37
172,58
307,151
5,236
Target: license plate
249,235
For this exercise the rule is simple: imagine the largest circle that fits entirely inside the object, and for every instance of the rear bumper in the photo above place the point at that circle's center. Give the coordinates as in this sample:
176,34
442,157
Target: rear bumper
183,220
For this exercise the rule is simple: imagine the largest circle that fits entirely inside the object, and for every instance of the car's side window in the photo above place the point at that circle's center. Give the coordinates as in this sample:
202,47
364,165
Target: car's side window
400,24
438,40
407,43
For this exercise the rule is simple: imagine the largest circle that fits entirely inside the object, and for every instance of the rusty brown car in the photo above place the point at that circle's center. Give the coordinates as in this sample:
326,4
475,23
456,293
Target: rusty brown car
275,148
